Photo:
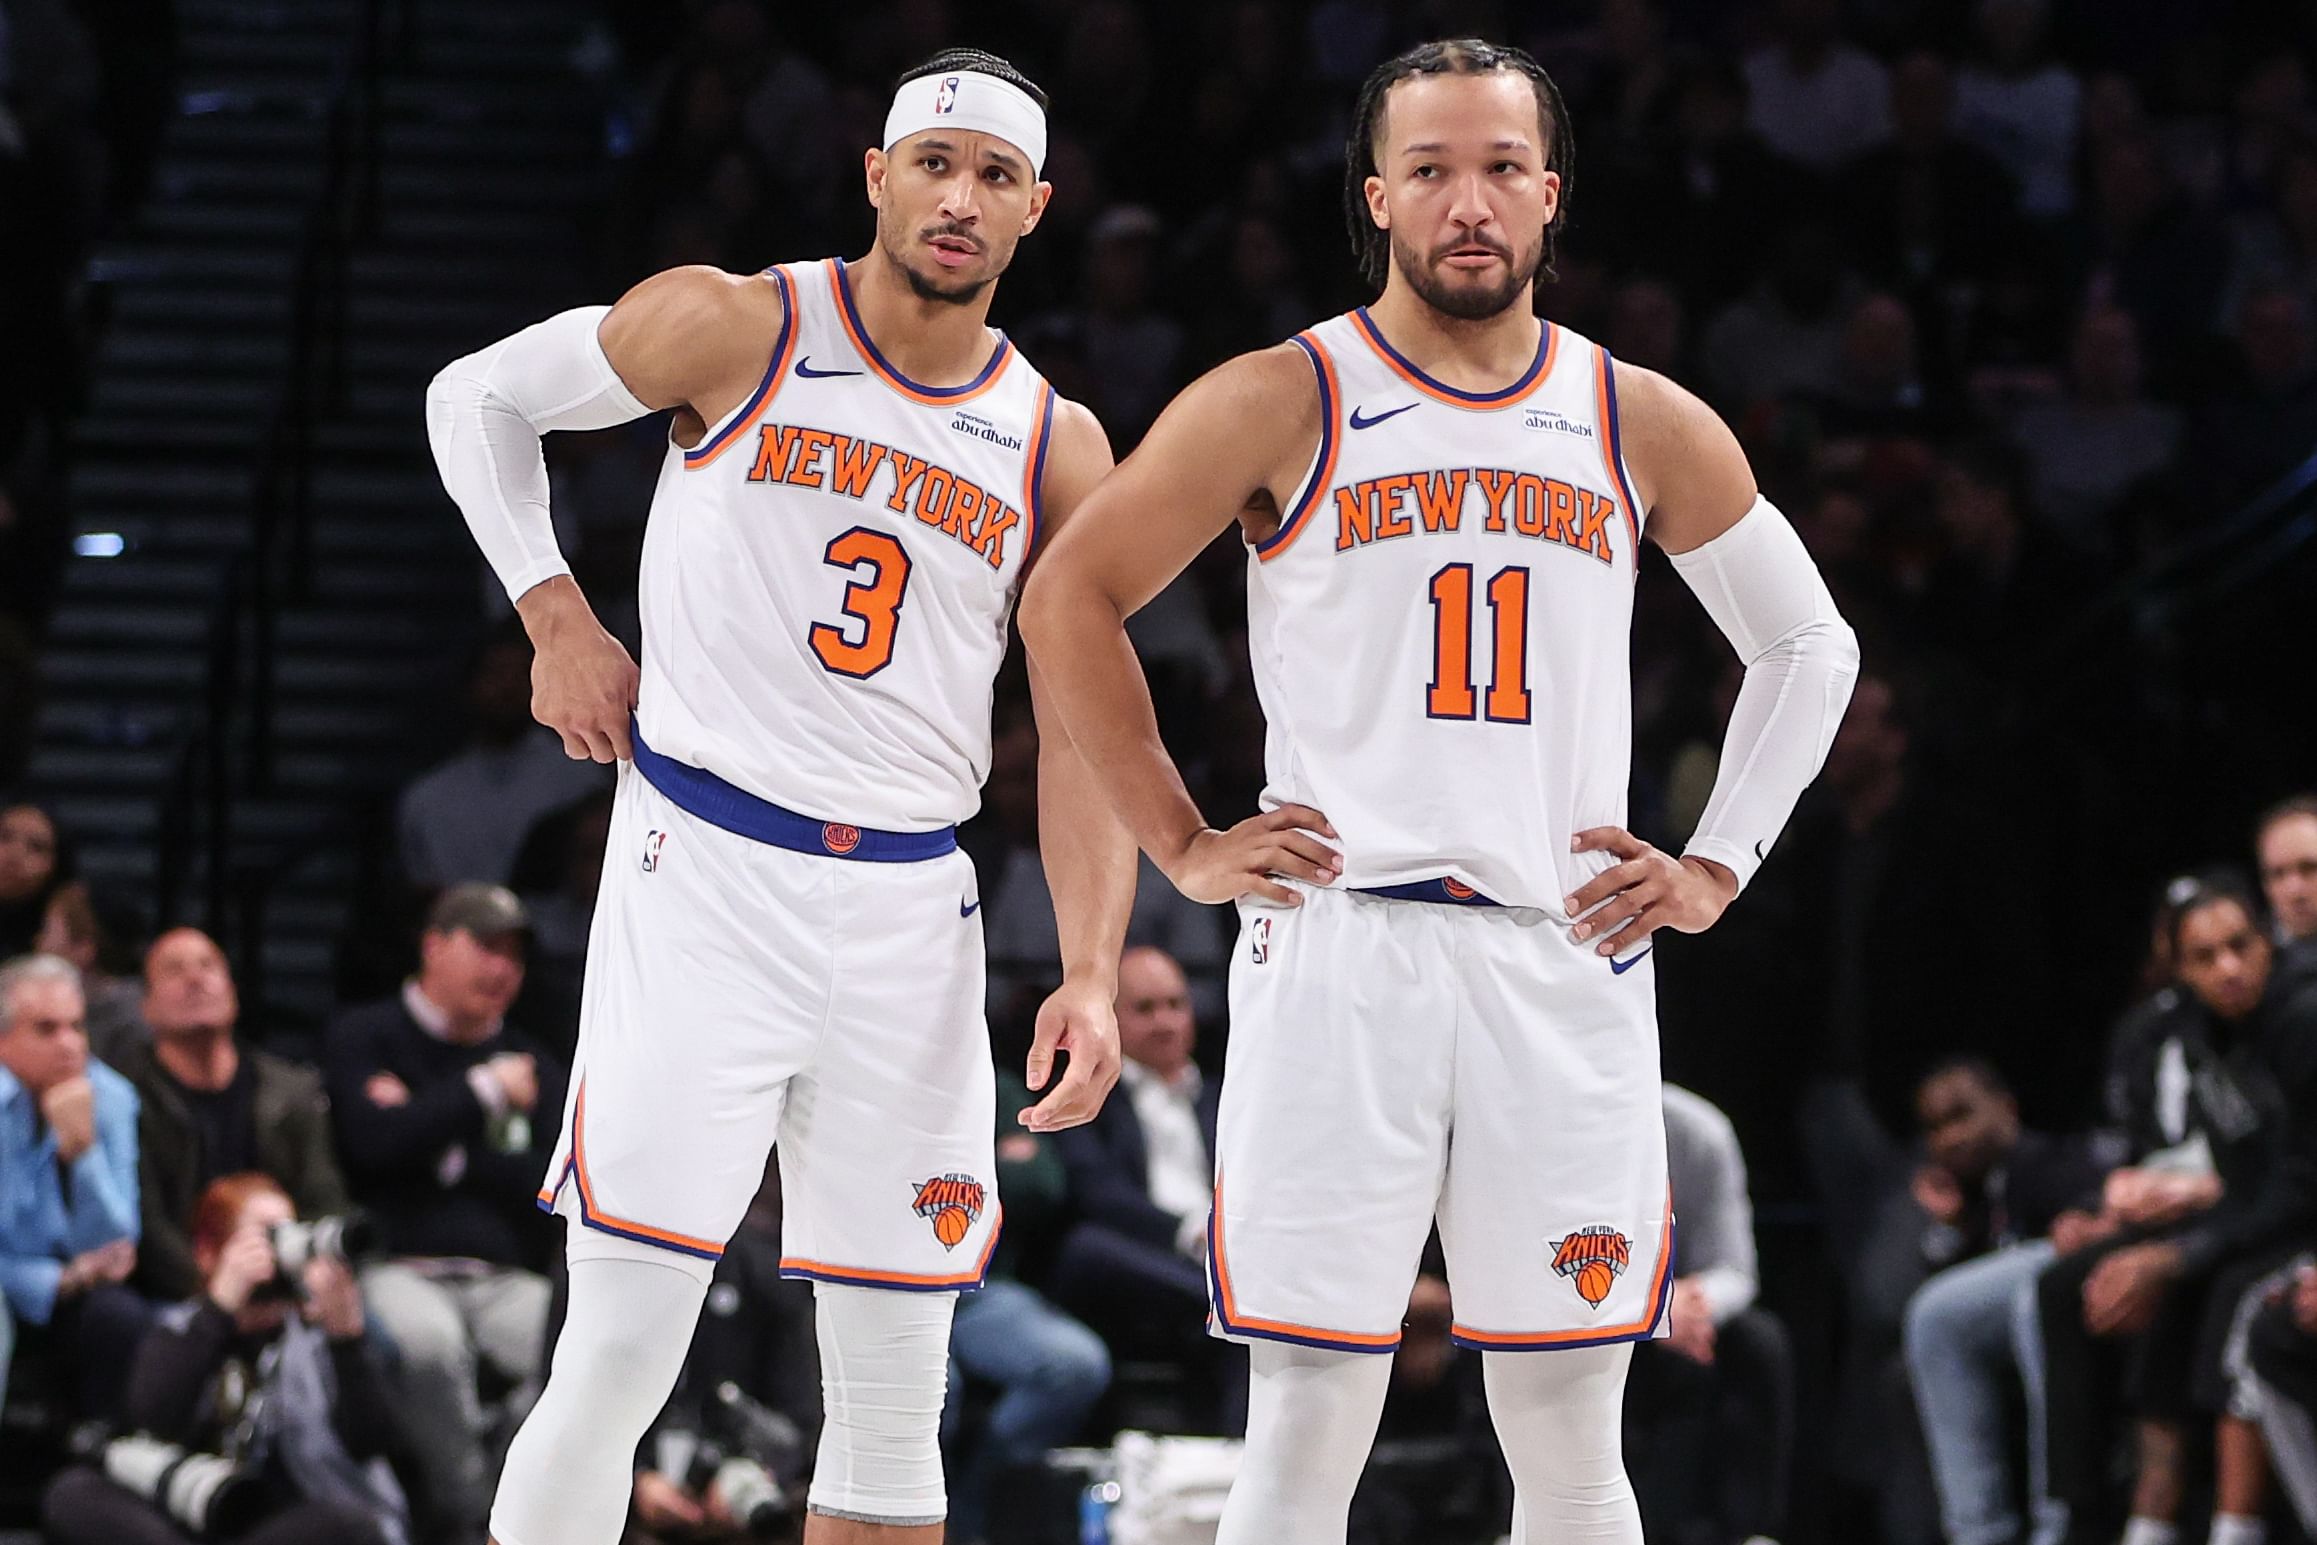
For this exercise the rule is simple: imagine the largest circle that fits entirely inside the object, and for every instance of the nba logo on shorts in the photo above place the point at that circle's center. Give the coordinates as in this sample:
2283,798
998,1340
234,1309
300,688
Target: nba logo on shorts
1259,941
954,1205
946,98
1593,1258
652,843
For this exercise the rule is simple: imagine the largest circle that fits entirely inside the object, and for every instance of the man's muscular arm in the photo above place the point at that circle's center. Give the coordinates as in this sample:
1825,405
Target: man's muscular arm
1749,570
1087,851
691,338
1243,430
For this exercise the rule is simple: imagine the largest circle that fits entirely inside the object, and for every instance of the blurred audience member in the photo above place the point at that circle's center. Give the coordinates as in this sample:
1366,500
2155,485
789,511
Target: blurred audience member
2021,106
2285,846
466,819
2283,1355
68,1185
1813,97
100,943
446,1120
33,867
267,1367
1709,1412
2087,450
210,1107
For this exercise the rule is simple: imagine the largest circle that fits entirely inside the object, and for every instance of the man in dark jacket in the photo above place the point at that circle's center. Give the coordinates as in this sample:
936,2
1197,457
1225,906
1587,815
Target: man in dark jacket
446,1121
2223,1186
209,1106
1142,1173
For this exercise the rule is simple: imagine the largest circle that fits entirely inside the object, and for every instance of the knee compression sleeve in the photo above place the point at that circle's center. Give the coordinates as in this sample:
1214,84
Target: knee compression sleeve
884,1375
1311,1419
625,1335
1557,1415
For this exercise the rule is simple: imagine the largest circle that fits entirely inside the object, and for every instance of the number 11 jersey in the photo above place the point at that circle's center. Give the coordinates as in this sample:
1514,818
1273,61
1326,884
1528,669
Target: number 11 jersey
828,575
1440,625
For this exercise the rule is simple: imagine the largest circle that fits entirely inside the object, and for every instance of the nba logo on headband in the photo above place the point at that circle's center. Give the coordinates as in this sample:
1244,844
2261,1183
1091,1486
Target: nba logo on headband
946,97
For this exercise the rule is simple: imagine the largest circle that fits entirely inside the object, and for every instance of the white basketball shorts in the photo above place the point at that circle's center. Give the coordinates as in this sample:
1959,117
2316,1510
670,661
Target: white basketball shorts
740,994
1392,1062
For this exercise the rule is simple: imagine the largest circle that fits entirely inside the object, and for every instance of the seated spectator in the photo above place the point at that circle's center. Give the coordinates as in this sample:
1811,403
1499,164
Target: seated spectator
2285,845
68,1185
446,1121
1049,1369
33,866
1997,1194
267,1367
209,1107
2218,1195
750,1388
98,941
2086,451
1709,1412
1142,1174
465,820
2282,1352
1814,98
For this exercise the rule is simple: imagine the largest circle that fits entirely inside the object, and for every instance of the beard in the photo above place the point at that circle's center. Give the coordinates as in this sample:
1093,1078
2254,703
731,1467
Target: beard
1465,302
928,287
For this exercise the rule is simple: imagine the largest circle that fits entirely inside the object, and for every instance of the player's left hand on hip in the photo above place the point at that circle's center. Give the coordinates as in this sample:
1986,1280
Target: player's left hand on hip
1077,1018
1644,891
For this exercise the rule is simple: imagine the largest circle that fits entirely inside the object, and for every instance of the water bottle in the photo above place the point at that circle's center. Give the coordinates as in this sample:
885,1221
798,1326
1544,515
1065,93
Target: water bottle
1094,1505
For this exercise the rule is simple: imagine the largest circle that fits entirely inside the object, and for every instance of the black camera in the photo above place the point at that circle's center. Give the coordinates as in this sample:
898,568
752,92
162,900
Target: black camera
735,1465
298,1243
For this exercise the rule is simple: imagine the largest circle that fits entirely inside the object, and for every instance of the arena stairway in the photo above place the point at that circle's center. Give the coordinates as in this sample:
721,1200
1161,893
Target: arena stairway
487,153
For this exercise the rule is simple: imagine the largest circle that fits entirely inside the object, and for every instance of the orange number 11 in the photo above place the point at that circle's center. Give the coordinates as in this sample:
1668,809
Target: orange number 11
1451,695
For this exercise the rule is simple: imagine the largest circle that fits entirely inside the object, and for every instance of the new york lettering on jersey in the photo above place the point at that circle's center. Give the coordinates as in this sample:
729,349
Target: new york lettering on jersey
1441,619
864,536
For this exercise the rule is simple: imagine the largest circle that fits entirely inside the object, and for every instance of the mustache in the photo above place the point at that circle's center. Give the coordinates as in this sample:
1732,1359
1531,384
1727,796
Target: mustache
1488,243
954,232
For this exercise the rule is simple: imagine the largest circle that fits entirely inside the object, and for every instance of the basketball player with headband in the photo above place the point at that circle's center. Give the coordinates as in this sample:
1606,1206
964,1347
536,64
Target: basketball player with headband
788,943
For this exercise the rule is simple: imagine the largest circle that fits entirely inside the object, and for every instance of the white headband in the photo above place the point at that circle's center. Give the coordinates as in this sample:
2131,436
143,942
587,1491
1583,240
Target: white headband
969,100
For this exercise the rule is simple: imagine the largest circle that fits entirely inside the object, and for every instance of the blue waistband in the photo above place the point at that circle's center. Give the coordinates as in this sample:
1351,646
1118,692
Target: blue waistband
1453,893
701,793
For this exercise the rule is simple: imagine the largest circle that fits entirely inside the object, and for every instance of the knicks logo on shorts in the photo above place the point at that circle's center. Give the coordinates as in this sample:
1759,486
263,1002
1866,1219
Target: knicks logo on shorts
1594,1258
954,1204
1458,889
653,841
839,838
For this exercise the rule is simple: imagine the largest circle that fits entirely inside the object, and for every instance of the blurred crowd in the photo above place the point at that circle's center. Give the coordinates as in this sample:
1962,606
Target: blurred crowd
2009,301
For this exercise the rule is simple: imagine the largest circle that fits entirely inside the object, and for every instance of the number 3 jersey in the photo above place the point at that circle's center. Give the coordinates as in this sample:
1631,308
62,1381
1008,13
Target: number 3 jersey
828,575
1440,625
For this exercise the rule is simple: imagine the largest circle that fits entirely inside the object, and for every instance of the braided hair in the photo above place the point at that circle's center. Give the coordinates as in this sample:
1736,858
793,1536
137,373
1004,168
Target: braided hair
1372,245
954,61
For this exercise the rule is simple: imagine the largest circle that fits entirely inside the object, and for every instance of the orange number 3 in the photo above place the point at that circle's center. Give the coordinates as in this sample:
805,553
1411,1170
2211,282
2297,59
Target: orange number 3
1451,694
873,603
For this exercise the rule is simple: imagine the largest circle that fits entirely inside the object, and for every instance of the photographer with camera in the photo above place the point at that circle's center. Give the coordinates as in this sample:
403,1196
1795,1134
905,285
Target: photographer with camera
259,1416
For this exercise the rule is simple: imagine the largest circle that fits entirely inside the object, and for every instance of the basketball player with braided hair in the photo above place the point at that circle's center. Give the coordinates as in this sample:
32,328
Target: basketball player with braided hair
1442,1001
788,942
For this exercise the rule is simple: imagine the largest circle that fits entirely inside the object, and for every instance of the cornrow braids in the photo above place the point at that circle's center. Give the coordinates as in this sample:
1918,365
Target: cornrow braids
952,61
1372,246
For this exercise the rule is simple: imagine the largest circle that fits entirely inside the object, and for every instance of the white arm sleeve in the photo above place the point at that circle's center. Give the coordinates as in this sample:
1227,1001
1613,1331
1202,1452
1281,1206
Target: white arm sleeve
484,416
1758,583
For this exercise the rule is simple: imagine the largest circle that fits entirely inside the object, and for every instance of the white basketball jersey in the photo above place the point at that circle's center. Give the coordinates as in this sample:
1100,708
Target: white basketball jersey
828,574
1440,625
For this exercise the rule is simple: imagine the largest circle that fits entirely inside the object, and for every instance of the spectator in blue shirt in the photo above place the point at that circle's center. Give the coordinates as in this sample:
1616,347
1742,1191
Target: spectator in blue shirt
68,1183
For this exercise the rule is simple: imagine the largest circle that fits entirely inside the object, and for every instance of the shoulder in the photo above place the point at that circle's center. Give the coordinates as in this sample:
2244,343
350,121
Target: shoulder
112,1087
695,311
294,1079
1690,473
1270,394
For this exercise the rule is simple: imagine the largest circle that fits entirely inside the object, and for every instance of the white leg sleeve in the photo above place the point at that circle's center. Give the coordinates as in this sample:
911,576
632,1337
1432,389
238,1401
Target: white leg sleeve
625,1336
1558,1416
884,1375
1311,1420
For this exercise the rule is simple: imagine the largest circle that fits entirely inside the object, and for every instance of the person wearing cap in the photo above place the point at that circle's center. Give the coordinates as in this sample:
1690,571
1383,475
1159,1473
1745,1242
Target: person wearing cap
446,1117
787,946
210,1106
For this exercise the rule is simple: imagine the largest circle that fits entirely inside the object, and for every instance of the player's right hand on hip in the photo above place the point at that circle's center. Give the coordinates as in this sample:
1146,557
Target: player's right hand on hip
1218,866
583,682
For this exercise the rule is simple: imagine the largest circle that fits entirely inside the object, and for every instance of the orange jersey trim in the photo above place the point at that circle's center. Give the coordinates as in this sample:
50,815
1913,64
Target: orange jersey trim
799,1266
1034,470
1227,1309
1331,443
1612,455
595,1217
782,349
1540,368
931,396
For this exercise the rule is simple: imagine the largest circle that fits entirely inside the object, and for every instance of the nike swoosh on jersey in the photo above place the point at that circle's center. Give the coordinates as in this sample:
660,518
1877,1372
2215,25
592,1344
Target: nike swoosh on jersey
1371,422
1620,967
969,908
806,372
